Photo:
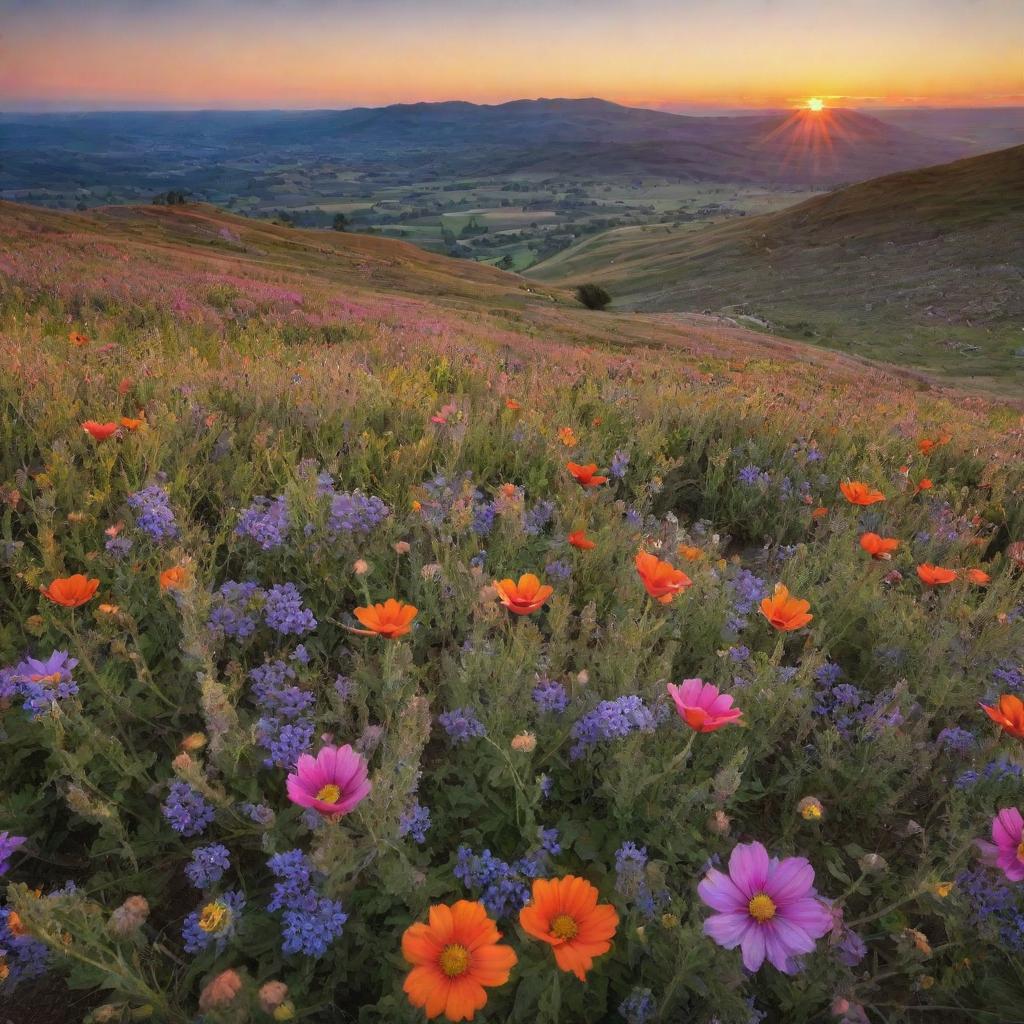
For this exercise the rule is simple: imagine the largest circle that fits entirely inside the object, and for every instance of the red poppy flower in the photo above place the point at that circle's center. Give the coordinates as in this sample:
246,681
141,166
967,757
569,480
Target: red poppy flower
586,475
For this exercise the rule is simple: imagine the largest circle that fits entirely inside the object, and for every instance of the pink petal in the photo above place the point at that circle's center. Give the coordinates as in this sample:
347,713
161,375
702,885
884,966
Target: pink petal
811,915
1007,826
719,892
728,930
754,949
327,762
720,704
1015,872
779,953
989,853
748,868
790,880
690,691
306,770
792,936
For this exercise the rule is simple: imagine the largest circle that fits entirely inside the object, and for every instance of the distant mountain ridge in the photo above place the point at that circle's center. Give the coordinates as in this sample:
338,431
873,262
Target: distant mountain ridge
576,136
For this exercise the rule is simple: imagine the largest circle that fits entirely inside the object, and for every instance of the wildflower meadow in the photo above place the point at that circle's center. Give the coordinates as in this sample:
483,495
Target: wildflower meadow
380,646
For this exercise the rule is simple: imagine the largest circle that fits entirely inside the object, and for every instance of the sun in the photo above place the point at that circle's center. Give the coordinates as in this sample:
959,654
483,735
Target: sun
815,104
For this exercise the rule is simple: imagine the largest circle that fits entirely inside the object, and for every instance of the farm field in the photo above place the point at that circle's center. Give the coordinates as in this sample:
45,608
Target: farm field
361,604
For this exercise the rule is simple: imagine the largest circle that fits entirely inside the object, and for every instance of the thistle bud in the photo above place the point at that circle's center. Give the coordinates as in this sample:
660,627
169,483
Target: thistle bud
129,917
221,991
872,864
272,995
524,743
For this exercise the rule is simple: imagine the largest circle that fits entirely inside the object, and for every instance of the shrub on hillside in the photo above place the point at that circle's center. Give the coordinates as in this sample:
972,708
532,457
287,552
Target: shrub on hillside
593,296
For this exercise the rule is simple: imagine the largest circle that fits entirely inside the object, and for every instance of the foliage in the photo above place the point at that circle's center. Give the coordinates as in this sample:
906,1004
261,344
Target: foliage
421,456
593,296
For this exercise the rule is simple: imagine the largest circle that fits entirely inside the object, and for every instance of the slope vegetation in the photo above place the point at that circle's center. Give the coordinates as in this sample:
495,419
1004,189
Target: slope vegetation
925,267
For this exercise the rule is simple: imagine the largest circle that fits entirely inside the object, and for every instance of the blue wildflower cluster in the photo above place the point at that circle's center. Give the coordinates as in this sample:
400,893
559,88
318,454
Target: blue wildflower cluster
503,887
186,809
118,546
994,907
459,502
559,569
754,476
208,865
619,464
235,609
1008,676
550,697
283,610
310,922
39,682
355,512
24,957
849,708
266,521
611,720
461,725
153,513
746,591
8,844
638,1007
285,728
414,821
1000,770
535,519
957,741
213,923
631,880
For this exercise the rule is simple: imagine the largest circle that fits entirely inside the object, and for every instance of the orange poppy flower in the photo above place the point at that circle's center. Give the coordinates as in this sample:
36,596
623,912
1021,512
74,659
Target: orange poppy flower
979,577
878,547
99,431
785,612
923,485
661,580
131,424
858,493
926,444
125,385
71,591
78,340
391,619
564,913
567,436
1008,715
579,539
454,958
935,575
175,578
586,475
523,597
689,553
820,512
511,403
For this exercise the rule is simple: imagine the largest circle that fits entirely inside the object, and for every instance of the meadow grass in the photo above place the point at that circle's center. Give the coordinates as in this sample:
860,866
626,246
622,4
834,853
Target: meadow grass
361,426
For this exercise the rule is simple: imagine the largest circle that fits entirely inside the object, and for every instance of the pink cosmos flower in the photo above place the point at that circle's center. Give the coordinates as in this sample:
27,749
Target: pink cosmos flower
702,707
766,906
332,783
1006,851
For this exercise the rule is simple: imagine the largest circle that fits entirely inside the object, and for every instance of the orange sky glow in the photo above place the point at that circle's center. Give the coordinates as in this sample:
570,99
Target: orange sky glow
314,53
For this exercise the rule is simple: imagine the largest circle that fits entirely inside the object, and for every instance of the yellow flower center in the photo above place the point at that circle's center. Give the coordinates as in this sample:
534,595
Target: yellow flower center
762,907
329,794
454,960
1020,851
812,812
214,917
564,927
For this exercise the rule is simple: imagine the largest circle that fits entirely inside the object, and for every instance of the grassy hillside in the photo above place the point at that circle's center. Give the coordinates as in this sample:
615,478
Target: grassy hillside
924,268
227,445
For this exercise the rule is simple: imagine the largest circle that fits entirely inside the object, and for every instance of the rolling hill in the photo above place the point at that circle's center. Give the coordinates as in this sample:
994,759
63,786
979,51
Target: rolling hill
924,268
195,270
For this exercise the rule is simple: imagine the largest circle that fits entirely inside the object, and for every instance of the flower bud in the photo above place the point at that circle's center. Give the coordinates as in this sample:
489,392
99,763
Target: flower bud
810,809
221,991
872,864
719,823
194,741
524,743
272,995
360,567
402,547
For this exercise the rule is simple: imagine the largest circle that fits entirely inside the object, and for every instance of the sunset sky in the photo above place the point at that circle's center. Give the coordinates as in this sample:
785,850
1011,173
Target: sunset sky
680,54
